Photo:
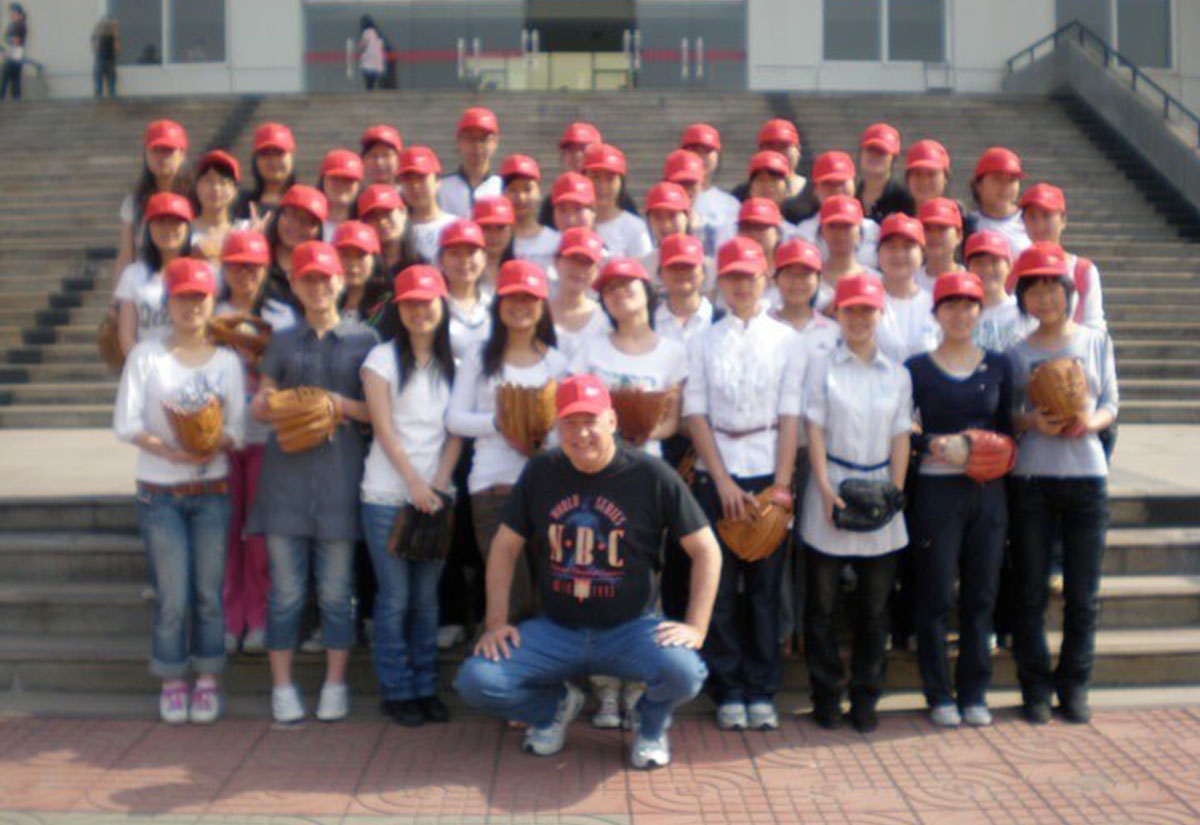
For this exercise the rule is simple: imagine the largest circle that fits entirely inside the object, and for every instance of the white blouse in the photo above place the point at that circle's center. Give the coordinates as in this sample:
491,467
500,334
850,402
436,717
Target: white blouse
867,252
668,324
571,340
625,236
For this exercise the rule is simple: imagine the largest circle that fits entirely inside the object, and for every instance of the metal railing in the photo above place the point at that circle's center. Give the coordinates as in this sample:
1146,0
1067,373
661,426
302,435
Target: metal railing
1139,81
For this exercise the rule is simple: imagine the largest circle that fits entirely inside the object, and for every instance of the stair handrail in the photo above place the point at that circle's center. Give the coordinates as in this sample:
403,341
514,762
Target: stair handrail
1136,73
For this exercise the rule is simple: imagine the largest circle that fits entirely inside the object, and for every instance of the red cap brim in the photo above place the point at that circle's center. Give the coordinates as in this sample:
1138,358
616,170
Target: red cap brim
589,406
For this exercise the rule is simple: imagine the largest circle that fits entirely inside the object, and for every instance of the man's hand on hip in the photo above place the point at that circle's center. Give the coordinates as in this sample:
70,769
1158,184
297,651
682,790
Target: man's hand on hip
678,634
498,643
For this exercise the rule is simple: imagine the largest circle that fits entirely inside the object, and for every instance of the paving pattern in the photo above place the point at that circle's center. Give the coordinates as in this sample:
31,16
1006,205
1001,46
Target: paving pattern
1138,767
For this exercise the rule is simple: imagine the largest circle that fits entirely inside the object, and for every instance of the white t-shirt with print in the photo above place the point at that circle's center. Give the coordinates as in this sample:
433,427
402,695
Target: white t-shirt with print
147,292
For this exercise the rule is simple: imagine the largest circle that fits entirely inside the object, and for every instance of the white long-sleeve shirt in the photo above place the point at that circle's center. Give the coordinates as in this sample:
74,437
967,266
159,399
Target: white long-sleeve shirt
867,252
456,196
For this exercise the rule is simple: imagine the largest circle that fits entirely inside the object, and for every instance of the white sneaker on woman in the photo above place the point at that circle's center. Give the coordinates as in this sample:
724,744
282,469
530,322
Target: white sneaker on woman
334,703
173,704
206,704
286,705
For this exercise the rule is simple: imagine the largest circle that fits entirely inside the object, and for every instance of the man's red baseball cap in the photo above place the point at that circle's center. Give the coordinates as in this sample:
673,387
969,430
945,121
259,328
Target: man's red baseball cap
582,394
759,212
480,119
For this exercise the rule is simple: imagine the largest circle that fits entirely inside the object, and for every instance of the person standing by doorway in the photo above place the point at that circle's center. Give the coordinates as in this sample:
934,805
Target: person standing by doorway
15,37
106,45
370,52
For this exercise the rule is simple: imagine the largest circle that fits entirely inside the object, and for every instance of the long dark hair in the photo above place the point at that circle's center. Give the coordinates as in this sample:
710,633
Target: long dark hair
651,304
443,356
147,185
493,348
152,256
260,297
255,194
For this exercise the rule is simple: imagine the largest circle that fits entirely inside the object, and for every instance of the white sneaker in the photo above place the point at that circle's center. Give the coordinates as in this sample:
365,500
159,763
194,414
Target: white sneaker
173,705
206,705
286,705
608,712
732,716
313,643
977,716
646,753
549,740
762,715
945,716
448,635
334,703
231,644
255,641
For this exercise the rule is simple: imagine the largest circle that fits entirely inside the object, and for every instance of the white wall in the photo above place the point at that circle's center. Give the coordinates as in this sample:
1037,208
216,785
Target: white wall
60,38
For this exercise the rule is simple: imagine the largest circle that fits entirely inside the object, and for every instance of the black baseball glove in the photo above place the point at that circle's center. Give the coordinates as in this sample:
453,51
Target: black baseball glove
869,505
419,536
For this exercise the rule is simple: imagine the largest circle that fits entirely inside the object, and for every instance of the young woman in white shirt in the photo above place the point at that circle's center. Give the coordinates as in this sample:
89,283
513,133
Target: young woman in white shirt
625,234
407,383
419,170
358,249
576,314
942,220
858,414
841,233
520,350
341,182
927,171
215,191
496,218
247,572
681,270
462,260
714,205
164,169
573,199
1044,212
668,212
532,241
995,189
381,145
908,327
141,295
742,406
183,498
1001,323
833,175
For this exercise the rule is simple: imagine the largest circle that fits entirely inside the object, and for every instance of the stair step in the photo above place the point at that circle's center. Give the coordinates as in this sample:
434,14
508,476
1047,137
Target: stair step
65,416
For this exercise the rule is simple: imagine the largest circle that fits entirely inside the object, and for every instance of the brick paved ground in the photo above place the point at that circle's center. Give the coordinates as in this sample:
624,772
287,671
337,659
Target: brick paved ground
1127,767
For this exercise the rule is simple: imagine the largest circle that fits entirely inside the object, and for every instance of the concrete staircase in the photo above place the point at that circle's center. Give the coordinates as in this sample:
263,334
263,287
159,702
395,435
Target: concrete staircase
75,611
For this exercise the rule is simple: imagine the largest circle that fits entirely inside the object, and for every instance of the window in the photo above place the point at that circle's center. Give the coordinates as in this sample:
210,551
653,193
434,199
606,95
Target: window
197,31
1144,28
141,25
1095,14
916,30
852,29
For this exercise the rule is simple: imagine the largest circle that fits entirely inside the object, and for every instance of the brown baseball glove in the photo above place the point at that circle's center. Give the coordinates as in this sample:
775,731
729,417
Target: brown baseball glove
1058,388
640,411
525,415
763,531
984,455
108,342
687,466
244,333
198,430
303,417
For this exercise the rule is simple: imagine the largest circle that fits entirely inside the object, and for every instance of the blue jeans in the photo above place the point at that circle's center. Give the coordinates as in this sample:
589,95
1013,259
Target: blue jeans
290,558
185,540
406,613
1045,511
528,686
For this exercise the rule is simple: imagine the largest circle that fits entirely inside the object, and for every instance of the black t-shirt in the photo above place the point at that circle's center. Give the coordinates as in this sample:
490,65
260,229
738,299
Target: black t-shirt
596,540
895,198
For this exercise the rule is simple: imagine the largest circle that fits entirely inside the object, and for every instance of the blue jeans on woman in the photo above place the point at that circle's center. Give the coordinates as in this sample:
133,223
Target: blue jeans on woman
185,538
406,613
290,557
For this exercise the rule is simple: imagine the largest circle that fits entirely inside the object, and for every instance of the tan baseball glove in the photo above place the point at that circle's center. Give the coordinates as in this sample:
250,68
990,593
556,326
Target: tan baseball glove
246,334
303,417
763,531
198,430
525,415
640,411
1058,388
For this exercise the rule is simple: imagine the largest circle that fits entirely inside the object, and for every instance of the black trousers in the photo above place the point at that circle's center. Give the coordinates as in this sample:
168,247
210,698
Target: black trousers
10,78
460,593
868,660
960,528
742,651
676,578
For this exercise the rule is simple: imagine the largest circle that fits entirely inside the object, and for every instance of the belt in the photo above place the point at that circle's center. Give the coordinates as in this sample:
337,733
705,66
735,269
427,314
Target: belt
850,465
746,433
215,487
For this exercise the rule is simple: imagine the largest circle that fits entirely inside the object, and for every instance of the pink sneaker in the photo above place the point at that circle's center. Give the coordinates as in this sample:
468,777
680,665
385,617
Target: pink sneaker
173,705
205,707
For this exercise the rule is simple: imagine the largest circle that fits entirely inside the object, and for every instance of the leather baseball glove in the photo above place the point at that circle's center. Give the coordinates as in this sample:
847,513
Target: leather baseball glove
303,417
525,415
640,411
985,455
198,430
763,531
244,333
870,505
420,536
108,342
1058,388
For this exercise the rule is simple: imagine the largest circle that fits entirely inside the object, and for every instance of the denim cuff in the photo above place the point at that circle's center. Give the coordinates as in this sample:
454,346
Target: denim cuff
169,670
209,664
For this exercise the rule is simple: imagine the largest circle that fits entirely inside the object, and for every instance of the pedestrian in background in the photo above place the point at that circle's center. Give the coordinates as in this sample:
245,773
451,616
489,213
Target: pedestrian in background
106,45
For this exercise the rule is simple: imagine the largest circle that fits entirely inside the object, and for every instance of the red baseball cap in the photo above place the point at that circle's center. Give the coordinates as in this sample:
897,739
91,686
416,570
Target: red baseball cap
768,161
927,154
682,166
520,166
701,134
740,256
957,284
494,211
681,249
618,268
1042,258
841,209
798,251
478,118
307,198
246,247
579,241
221,160
998,160
165,134
582,394
379,197
668,197
572,187
274,136
381,133
522,277
419,282
315,256
461,233
1044,196
900,225
987,242
356,235
859,290
759,212
189,276
881,136
833,167
778,130
419,160
342,163
170,204
940,212
579,133
604,157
